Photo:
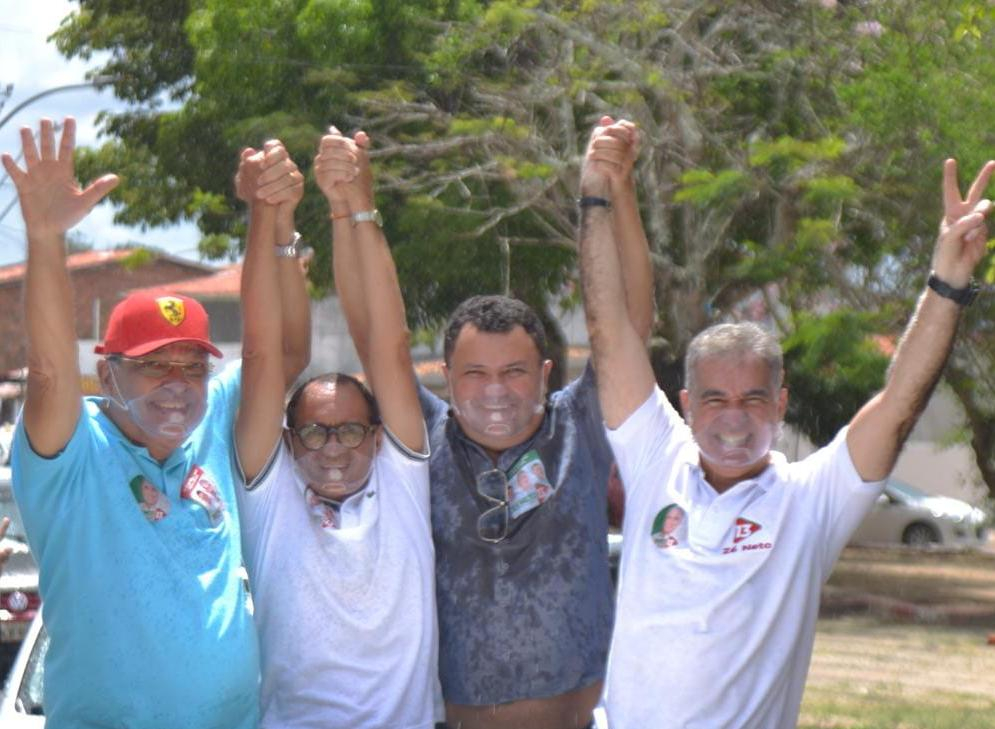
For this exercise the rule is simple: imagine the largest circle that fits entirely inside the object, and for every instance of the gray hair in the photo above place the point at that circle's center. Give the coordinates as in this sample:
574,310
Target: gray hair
729,340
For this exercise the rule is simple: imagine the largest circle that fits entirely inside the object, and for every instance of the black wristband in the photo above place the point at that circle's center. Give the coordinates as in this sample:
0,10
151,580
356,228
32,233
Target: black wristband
962,297
592,201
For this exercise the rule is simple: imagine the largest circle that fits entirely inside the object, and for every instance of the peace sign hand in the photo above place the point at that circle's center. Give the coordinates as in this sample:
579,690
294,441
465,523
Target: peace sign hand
963,233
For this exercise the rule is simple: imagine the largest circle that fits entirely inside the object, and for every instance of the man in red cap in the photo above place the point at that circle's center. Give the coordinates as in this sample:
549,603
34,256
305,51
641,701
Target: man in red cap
128,499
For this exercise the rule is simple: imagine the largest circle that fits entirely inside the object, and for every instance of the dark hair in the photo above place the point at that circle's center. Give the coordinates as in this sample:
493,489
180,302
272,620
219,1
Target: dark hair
494,314
332,378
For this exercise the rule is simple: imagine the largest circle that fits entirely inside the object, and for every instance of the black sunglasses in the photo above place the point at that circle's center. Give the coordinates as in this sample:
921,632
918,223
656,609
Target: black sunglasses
313,436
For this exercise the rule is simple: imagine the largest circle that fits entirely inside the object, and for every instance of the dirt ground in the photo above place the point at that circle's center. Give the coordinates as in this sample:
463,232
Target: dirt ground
956,587
907,640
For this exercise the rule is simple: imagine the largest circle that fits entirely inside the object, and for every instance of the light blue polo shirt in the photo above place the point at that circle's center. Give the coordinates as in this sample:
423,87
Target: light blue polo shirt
139,570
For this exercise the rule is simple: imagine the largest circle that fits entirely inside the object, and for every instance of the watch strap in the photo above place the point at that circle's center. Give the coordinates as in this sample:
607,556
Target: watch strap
291,250
962,297
368,216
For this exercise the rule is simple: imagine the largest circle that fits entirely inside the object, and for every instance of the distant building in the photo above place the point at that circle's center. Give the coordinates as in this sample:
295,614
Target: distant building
98,280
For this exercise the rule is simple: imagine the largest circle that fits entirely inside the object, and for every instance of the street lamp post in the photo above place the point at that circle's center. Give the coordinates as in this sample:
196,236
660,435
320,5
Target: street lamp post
96,82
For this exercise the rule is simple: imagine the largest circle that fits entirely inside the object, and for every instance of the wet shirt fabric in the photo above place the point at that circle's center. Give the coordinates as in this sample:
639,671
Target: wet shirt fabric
718,593
140,575
531,615
345,605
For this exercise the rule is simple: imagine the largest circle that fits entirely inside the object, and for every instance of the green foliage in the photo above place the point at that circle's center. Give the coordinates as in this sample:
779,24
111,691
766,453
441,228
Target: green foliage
832,362
790,152
702,187
138,258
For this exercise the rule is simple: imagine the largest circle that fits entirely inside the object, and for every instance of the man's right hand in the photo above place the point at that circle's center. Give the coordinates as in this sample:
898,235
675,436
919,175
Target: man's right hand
610,156
51,199
342,170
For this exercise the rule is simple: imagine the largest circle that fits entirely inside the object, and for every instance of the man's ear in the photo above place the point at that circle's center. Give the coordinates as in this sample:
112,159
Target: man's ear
547,367
104,376
685,398
782,403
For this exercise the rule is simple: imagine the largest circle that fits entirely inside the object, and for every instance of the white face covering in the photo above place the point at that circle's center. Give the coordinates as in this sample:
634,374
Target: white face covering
734,439
170,411
334,471
499,413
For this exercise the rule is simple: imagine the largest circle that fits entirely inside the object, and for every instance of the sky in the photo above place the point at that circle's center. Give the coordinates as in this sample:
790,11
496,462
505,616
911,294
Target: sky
34,65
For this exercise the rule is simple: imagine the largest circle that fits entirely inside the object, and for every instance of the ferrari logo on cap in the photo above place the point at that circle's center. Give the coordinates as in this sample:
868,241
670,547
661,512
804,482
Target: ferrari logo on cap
171,309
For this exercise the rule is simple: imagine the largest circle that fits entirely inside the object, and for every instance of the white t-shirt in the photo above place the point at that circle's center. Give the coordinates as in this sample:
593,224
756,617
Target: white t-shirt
718,595
346,614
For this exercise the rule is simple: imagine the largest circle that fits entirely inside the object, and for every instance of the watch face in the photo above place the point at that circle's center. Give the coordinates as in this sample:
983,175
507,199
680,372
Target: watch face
368,216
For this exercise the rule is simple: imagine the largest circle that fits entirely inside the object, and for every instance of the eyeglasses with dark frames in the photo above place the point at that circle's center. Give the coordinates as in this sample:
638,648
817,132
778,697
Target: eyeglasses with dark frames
158,368
314,436
492,485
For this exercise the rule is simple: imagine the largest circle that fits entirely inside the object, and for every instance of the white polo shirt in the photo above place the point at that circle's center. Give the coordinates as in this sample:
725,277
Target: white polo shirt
716,618
346,612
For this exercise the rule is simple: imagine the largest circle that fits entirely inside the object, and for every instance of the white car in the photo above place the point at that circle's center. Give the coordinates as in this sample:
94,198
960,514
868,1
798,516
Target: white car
21,701
904,514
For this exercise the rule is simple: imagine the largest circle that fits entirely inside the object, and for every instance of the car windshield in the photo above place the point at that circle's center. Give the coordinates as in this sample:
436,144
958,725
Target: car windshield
905,491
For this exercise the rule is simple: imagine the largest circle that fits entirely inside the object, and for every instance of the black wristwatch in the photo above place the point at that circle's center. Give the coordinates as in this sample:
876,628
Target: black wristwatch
963,297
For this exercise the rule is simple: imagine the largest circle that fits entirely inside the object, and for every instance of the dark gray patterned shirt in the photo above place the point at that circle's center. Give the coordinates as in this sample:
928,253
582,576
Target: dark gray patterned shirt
530,616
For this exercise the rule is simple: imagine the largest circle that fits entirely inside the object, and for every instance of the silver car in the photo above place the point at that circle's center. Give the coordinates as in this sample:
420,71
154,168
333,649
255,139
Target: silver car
21,701
19,598
904,514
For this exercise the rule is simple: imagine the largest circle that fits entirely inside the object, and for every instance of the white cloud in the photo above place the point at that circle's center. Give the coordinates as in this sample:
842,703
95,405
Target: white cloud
34,65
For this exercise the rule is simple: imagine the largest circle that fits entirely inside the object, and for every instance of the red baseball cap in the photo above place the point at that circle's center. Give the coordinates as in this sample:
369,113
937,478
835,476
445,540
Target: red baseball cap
143,323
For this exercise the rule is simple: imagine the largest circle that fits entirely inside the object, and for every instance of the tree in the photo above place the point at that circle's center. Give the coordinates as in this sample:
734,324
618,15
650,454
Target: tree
790,150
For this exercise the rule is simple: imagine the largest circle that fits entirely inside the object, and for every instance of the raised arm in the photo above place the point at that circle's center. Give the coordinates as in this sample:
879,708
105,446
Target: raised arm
51,203
265,180
627,226
625,378
295,303
363,262
877,432
332,167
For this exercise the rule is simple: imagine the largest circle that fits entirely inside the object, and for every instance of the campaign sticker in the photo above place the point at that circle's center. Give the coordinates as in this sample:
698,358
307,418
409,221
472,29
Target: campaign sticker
153,503
528,485
197,487
669,526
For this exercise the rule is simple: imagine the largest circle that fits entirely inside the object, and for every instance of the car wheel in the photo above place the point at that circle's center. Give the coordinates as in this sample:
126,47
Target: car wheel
920,535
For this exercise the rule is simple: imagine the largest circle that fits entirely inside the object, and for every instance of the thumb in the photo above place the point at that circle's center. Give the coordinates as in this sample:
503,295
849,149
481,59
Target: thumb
605,121
362,139
964,225
98,189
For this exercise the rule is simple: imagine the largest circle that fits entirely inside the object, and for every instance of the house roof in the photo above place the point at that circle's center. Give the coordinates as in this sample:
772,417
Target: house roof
90,259
224,284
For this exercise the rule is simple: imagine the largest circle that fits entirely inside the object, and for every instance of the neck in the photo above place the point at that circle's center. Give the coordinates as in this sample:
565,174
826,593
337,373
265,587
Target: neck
722,481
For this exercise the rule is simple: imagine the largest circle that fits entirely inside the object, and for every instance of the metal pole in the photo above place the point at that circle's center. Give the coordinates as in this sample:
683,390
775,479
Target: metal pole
97,82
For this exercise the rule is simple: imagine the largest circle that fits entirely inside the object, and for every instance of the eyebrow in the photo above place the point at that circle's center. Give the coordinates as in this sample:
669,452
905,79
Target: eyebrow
722,393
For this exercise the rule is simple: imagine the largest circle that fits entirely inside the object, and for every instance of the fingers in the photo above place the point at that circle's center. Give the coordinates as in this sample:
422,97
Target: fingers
46,139
67,144
3,526
98,189
980,183
15,172
30,152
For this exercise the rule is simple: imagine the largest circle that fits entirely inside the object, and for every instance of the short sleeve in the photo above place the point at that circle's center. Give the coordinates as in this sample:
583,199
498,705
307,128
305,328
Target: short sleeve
654,433
44,486
836,494
433,407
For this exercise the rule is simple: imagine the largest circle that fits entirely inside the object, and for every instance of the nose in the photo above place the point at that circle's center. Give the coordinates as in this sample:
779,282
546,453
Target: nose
333,446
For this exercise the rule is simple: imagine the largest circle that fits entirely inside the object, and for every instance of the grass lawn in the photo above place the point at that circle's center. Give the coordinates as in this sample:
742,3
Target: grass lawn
873,673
